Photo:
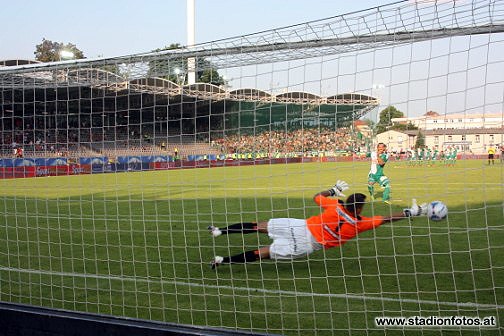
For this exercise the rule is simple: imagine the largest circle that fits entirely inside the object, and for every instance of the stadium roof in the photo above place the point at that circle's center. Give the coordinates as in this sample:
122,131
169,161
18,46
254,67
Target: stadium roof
91,88
17,62
92,77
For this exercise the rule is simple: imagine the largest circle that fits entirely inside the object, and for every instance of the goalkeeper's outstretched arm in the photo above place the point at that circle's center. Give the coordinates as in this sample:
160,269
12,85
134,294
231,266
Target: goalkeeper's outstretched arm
336,190
395,217
415,210
325,193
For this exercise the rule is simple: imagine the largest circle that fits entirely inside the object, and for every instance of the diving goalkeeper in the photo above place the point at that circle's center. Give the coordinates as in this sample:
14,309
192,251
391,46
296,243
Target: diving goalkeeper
295,238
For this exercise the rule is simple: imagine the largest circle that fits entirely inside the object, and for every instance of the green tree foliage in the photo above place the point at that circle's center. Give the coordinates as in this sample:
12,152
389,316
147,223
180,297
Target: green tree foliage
404,127
386,116
175,69
49,51
420,141
210,75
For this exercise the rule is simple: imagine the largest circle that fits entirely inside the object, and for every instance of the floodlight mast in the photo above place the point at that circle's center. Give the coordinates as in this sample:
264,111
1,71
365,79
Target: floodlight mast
191,62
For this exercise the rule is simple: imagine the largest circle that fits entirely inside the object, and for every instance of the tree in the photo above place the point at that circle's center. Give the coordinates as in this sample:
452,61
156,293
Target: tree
49,51
420,141
175,69
404,127
386,116
172,70
210,75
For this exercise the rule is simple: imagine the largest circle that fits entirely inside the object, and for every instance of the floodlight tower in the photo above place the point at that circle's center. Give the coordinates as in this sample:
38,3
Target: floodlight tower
191,62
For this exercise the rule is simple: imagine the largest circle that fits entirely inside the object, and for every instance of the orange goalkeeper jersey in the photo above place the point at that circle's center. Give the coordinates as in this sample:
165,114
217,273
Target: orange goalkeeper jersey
334,226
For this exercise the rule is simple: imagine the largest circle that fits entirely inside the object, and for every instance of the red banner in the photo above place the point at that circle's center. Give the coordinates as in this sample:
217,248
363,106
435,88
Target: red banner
41,171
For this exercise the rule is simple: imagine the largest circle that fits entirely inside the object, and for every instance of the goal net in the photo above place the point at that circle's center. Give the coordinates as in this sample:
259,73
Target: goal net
111,170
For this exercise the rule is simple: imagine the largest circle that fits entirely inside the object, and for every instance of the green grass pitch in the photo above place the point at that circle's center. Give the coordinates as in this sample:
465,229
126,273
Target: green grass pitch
136,245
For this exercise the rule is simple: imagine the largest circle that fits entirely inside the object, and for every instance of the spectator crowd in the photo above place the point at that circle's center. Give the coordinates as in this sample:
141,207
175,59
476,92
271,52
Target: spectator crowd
122,140
296,141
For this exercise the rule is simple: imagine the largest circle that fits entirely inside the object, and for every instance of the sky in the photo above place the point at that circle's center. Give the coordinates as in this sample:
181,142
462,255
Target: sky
113,28
423,77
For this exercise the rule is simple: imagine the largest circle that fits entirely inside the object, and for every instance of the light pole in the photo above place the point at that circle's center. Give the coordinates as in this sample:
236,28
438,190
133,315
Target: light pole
377,90
191,61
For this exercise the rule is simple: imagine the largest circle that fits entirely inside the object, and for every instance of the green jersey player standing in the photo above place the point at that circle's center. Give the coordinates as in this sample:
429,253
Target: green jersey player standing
376,175
435,156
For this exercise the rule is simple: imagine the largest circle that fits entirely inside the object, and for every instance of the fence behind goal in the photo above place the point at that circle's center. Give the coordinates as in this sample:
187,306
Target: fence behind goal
112,170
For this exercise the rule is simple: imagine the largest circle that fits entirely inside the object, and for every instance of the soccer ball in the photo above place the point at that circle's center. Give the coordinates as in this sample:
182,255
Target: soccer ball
437,210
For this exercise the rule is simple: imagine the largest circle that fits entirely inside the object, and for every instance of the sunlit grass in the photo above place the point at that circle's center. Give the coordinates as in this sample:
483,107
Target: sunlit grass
135,244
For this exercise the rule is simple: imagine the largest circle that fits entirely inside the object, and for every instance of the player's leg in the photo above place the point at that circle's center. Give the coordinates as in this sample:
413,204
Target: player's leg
370,186
385,184
245,257
243,228
371,189
291,239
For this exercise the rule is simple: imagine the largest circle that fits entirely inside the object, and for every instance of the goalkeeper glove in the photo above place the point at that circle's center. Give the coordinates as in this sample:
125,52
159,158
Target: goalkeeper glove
338,189
416,210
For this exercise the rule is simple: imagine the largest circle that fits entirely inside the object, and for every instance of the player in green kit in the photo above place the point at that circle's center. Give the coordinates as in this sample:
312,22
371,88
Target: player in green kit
442,157
376,175
451,158
454,155
428,156
421,155
411,157
435,156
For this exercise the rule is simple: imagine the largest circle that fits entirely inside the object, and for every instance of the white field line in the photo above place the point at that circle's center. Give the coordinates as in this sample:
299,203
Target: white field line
262,290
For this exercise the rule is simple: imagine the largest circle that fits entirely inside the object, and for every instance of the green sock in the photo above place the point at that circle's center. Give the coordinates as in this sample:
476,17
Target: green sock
386,193
370,189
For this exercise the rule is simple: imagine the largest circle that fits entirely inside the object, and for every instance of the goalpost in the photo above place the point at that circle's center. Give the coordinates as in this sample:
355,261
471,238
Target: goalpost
124,166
